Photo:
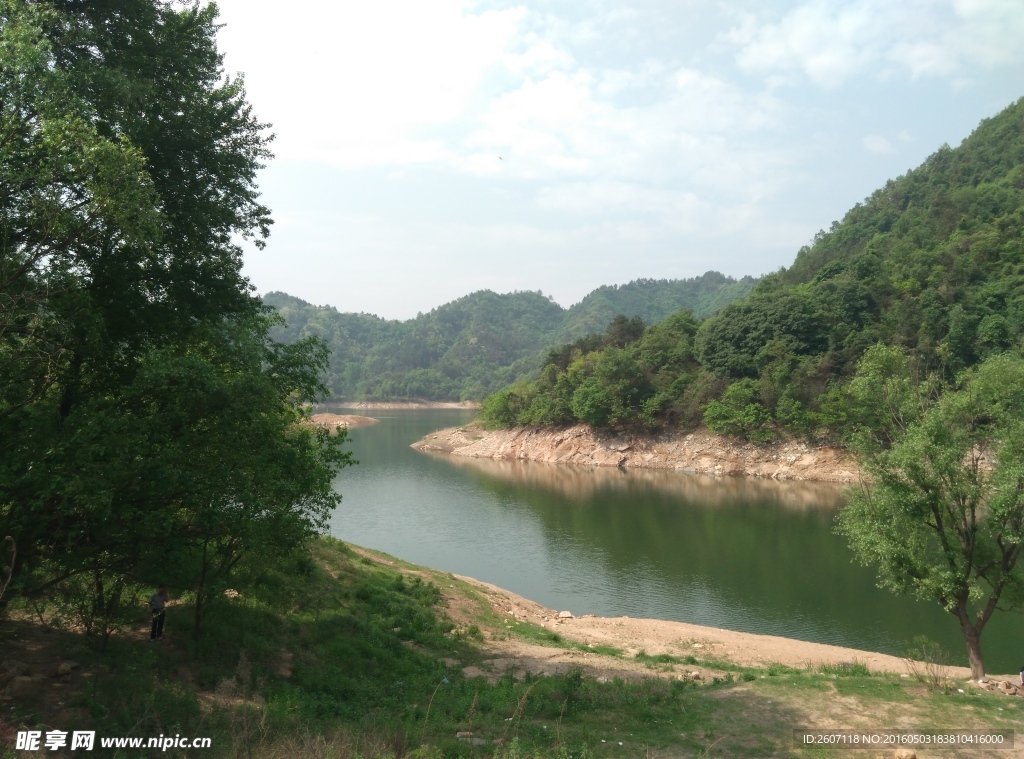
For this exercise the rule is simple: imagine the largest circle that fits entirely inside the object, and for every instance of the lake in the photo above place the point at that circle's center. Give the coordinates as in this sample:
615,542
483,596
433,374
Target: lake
739,553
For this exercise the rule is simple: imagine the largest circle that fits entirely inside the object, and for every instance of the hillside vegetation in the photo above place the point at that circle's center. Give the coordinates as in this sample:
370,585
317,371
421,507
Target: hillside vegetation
481,342
925,276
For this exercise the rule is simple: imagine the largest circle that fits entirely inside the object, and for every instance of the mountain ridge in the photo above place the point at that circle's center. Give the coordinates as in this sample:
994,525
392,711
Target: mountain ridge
483,341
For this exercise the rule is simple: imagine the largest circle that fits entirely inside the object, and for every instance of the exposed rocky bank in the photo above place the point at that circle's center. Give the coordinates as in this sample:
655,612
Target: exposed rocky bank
393,405
333,421
698,451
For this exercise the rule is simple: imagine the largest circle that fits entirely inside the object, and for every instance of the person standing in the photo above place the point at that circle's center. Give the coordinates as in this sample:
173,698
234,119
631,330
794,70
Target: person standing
157,605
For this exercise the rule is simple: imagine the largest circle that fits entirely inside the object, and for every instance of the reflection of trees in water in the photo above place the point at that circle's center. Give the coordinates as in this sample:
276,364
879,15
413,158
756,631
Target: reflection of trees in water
763,553
582,483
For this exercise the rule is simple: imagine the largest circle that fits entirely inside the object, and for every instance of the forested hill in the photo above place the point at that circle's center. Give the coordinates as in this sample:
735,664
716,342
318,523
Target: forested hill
481,342
930,267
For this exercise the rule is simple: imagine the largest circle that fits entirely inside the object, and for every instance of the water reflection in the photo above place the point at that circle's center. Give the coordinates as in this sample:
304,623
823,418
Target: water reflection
584,483
740,553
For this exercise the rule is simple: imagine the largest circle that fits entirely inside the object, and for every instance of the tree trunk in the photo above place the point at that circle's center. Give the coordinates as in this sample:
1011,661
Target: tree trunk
972,638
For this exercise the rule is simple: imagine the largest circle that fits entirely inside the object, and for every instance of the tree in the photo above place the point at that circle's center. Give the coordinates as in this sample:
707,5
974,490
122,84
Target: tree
942,515
145,413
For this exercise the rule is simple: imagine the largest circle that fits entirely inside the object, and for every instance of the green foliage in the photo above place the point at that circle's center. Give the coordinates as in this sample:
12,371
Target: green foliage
739,413
629,376
150,429
483,342
943,518
921,281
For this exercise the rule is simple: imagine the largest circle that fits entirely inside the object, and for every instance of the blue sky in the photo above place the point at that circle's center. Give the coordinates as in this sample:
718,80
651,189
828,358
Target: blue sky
429,148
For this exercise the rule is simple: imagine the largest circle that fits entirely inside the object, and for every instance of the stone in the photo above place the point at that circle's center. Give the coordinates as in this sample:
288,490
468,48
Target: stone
565,615
905,753
696,676
23,687
63,669
11,670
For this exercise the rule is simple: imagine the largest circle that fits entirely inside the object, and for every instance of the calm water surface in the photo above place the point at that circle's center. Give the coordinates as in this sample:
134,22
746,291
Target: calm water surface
738,553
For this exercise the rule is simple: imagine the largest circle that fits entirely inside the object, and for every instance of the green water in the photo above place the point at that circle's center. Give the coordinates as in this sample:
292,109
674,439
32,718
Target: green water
738,553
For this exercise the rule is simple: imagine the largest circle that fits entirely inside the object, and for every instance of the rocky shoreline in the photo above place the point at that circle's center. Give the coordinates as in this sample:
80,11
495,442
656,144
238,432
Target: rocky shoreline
697,452
393,405
333,421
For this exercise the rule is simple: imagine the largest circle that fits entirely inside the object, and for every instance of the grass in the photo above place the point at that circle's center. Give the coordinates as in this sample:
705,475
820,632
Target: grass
333,654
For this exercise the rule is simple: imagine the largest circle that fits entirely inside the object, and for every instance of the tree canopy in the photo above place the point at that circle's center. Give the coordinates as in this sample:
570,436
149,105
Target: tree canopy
942,517
150,428
932,263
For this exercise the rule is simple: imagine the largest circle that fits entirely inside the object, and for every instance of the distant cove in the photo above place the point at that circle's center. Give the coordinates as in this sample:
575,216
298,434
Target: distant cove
738,553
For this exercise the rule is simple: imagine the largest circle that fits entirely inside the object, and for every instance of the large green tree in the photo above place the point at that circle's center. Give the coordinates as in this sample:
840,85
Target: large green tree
147,419
942,513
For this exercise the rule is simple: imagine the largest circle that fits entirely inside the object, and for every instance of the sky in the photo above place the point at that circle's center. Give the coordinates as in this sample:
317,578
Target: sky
426,149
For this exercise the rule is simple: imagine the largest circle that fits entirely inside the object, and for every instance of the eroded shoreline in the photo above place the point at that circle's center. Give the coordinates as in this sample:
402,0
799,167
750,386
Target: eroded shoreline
697,452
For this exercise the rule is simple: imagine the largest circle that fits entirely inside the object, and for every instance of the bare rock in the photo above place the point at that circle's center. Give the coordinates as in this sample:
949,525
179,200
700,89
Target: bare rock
63,669
565,615
23,687
12,669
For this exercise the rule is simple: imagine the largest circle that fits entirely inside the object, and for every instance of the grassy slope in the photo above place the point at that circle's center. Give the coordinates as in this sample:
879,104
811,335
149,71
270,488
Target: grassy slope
346,655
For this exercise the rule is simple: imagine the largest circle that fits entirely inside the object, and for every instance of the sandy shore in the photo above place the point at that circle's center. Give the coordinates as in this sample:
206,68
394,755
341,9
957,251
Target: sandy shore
679,639
657,636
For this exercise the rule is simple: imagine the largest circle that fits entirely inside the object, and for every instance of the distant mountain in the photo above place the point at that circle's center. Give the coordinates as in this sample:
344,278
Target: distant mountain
484,341
931,265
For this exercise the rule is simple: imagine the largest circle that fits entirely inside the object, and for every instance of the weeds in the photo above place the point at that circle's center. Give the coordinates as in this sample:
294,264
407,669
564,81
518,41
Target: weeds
928,662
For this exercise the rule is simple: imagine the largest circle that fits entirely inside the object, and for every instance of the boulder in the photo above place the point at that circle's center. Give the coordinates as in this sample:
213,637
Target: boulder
905,753
63,669
10,670
22,687
565,615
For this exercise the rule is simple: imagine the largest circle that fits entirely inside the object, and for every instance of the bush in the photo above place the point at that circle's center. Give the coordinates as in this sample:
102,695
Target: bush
739,414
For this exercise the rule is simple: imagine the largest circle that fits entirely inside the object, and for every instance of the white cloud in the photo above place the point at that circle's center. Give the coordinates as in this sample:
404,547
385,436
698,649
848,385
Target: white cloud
439,82
830,43
875,143
356,82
